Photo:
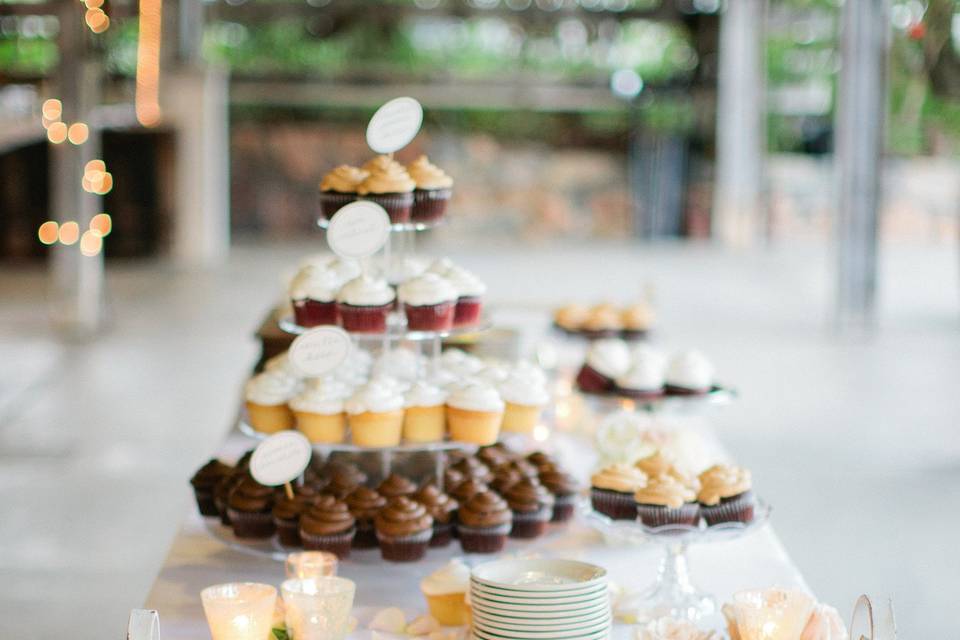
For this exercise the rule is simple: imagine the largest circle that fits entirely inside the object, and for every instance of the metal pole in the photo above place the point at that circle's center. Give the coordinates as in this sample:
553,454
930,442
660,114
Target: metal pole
76,304
859,146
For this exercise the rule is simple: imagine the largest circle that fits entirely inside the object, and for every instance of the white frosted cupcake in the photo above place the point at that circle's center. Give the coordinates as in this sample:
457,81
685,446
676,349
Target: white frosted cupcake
524,400
606,361
319,411
470,292
475,413
266,396
364,303
460,363
424,418
375,414
313,294
281,363
429,302
645,377
398,362
446,592
689,373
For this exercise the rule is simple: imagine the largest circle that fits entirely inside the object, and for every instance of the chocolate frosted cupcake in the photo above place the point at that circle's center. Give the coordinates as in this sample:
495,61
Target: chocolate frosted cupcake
328,526
467,489
339,188
433,190
484,522
221,493
540,460
471,467
612,491
726,495
494,455
365,504
442,508
452,478
287,511
667,501
505,477
525,468
205,481
249,506
404,529
343,480
564,488
389,185
532,506
396,485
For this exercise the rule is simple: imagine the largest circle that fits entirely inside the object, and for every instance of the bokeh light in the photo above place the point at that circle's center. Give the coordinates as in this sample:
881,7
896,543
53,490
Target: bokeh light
102,224
69,232
91,243
52,110
78,133
97,20
147,101
49,232
57,133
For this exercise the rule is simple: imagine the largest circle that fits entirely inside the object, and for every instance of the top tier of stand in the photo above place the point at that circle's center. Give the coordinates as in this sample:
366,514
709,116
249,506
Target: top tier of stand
323,223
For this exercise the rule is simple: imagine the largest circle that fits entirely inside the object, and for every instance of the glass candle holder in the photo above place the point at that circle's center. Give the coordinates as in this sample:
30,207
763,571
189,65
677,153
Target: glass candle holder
239,610
311,564
772,614
318,608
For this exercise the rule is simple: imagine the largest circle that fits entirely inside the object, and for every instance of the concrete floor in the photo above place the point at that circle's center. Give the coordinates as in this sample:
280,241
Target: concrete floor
852,439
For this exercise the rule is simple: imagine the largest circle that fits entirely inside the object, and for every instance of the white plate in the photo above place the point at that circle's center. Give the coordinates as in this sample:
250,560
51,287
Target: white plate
601,635
596,631
538,574
546,608
538,596
537,617
541,625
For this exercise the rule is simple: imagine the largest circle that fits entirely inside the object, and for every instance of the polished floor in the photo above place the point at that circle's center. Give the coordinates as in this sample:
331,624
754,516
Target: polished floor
853,439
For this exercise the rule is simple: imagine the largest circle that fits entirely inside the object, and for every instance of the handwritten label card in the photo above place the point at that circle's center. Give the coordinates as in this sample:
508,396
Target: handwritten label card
394,125
320,350
358,230
281,458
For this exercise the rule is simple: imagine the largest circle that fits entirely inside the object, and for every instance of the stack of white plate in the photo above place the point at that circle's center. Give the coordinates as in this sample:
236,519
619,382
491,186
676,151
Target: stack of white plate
539,599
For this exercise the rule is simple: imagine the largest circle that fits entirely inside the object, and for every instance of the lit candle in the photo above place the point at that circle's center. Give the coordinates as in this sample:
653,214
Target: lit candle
239,610
318,608
772,614
311,564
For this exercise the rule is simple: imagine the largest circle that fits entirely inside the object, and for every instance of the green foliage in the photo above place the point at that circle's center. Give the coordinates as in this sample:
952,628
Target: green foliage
28,57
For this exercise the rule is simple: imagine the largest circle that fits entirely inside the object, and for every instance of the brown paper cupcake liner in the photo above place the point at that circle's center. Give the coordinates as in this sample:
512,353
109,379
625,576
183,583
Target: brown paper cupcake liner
530,524
433,317
738,508
564,508
484,539
613,504
313,313
333,201
288,532
336,543
205,502
467,311
674,390
366,537
404,548
397,205
592,381
655,515
442,534
251,524
430,205
372,319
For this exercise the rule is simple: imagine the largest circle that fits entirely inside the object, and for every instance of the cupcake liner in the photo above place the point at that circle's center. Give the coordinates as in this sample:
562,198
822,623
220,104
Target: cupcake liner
468,311
634,334
673,390
738,508
484,539
313,313
404,548
288,532
613,504
366,537
397,205
205,502
564,508
431,317
223,511
442,534
429,205
592,381
638,394
336,543
598,334
364,319
530,524
655,515
333,201
251,524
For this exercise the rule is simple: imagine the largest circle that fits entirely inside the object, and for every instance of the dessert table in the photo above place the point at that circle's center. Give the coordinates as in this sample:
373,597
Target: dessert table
197,560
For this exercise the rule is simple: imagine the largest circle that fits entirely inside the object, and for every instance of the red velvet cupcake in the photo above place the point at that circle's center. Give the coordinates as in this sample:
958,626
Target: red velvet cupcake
470,292
364,304
313,293
429,302
606,360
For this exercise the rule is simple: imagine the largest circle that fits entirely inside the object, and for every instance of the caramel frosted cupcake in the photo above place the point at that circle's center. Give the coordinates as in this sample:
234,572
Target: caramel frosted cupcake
328,525
612,490
364,504
287,511
532,506
389,185
404,529
636,320
665,500
442,508
339,188
205,481
726,495
396,485
659,464
249,506
564,488
570,317
603,321
484,522
433,190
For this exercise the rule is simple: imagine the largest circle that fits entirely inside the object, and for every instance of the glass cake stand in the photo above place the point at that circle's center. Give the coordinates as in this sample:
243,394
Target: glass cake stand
673,594
396,330
609,402
422,225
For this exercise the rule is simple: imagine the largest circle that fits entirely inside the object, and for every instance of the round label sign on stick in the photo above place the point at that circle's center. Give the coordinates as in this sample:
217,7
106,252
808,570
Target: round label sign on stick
319,351
358,230
281,458
394,125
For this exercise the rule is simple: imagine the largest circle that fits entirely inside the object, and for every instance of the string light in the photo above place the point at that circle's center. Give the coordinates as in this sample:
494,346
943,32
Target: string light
69,233
78,133
91,243
57,132
102,224
52,111
48,232
147,100
96,19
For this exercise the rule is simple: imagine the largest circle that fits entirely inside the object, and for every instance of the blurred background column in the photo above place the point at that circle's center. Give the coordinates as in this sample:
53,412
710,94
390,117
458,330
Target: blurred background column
738,203
859,147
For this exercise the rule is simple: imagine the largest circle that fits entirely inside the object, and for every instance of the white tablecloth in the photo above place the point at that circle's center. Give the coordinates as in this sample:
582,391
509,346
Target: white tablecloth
197,560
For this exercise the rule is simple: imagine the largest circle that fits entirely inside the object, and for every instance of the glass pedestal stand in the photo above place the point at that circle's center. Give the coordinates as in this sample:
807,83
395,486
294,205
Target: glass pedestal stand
673,593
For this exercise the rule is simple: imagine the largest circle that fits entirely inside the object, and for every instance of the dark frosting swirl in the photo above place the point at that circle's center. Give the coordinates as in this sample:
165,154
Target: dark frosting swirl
327,516
528,495
471,467
210,474
396,485
539,459
365,503
467,489
402,517
526,469
505,478
485,509
493,455
251,496
451,478
439,505
560,483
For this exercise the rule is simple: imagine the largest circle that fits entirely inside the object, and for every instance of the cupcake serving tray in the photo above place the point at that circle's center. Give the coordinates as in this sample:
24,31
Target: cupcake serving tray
421,225
717,396
396,330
